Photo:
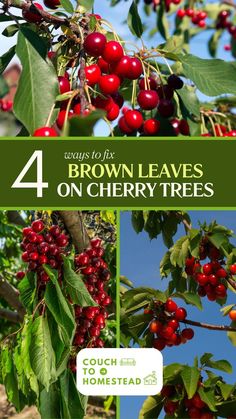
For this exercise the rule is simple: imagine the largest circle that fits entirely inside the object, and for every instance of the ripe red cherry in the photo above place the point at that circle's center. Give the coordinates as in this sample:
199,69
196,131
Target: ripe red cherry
133,119
26,231
42,259
45,132
166,108
184,127
37,226
77,109
181,13
20,275
194,413
175,82
109,84
170,305
118,99
170,407
113,113
55,230
123,67
62,240
197,401
148,99
52,4
136,69
94,44
33,256
167,391
208,415
25,257
32,237
155,326
233,269
167,332
82,259
112,52
180,314
107,301
95,243
99,320
207,268
188,334
221,273
159,344
93,74
220,289
173,323
165,92
151,126
103,65
94,331
31,16
151,83
64,84
213,280
124,127
231,133
79,340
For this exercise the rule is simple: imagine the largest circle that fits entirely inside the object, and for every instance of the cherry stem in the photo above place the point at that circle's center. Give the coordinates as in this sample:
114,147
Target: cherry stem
209,326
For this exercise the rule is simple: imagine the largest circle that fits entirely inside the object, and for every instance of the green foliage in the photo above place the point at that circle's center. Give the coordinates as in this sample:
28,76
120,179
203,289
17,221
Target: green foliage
134,20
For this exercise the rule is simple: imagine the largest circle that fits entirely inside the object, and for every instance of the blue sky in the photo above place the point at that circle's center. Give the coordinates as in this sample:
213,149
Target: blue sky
140,260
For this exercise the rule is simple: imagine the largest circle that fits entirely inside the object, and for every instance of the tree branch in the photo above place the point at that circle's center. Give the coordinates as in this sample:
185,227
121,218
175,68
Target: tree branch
9,315
209,326
231,282
15,218
74,224
11,295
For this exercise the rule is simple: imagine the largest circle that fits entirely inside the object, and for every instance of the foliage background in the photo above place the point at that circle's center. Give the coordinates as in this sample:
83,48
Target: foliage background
140,260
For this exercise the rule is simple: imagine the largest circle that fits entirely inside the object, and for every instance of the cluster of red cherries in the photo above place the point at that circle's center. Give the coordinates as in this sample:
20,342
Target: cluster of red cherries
210,276
220,130
224,23
42,246
107,73
156,3
165,325
92,320
198,17
196,407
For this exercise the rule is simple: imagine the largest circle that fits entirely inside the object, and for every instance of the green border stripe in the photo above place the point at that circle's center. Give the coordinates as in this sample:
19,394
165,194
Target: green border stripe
118,298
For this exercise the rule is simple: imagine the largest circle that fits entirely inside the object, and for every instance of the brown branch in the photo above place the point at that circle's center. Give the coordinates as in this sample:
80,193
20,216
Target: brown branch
74,224
209,326
229,3
11,295
15,218
231,282
12,316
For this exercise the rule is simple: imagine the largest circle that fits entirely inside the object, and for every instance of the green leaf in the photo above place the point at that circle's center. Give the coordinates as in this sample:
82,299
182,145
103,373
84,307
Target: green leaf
162,21
190,298
87,4
194,245
38,85
83,126
9,376
76,287
217,239
214,41
50,402
190,100
179,252
227,309
226,409
27,288
134,21
151,407
25,355
137,221
41,352
6,58
232,335
152,224
10,30
208,396
226,390
67,5
171,371
221,365
4,89
76,408
59,309
212,77
190,377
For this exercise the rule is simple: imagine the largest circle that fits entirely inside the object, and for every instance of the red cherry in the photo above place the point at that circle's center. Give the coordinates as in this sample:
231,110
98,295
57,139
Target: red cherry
180,314
167,391
167,332
220,289
103,65
181,13
37,226
221,273
118,99
188,333
207,268
159,344
55,230
231,133
109,84
170,407
99,321
94,44
93,74
173,323
124,127
31,15
151,126
26,231
184,127
112,52
136,69
165,92
202,279
189,12
44,277
62,240
32,237
148,99
155,326
25,257
33,256
42,259
113,113
94,331
79,340
82,259
166,108
170,305
208,415
45,132
64,84
151,83
197,401
213,280
194,413
52,4
99,343
202,292
175,82
107,301
233,269
123,67
133,119
77,109
20,275
95,243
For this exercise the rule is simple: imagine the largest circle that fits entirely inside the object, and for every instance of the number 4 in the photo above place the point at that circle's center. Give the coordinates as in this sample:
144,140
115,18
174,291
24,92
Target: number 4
39,184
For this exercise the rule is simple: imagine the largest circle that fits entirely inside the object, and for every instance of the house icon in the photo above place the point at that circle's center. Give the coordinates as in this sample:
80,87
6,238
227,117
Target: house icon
150,380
